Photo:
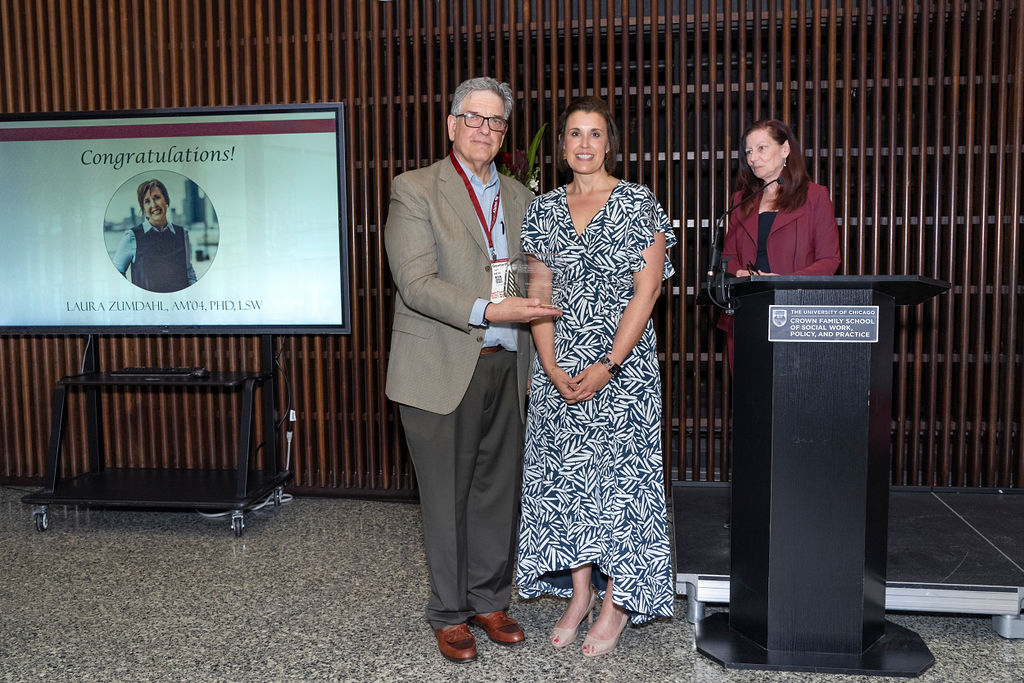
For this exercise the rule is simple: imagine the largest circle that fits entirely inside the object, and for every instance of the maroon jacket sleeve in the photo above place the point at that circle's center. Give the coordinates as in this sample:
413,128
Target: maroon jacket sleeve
824,256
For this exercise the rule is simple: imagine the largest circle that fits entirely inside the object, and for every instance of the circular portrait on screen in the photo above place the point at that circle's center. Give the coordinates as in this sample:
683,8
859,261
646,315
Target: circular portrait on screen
161,231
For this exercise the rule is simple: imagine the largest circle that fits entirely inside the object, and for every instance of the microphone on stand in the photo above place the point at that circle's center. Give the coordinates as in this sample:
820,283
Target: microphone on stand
717,267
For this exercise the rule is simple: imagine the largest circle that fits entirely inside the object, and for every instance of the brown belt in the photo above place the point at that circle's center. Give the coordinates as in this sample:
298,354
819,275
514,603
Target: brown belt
491,349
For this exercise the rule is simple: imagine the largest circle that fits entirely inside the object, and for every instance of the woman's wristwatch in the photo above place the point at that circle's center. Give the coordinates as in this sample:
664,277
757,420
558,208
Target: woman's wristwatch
610,365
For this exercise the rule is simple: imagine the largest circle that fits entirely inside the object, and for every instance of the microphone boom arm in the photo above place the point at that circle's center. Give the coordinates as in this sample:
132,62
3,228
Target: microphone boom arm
718,268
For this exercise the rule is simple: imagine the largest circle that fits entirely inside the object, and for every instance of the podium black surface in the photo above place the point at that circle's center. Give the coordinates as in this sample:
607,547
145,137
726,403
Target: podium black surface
810,482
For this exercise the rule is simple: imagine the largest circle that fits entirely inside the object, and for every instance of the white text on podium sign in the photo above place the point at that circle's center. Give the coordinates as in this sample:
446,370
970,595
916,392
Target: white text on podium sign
823,324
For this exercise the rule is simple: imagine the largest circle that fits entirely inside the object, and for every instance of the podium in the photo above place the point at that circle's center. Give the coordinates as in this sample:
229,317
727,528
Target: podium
810,478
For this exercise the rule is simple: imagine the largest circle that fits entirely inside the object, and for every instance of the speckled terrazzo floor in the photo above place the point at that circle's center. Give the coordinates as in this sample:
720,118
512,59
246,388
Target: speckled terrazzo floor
318,590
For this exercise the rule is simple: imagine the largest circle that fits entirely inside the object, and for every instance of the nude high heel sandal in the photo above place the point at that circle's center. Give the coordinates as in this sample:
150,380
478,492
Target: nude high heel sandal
600,647
561,637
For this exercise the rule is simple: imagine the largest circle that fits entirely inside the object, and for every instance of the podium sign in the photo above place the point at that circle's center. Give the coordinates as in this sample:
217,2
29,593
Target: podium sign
810,479
823,324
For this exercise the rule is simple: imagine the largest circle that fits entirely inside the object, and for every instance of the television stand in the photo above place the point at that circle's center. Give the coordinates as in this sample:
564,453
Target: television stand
167,488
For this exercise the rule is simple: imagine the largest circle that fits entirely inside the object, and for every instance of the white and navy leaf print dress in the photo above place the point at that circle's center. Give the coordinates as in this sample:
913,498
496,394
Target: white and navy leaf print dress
592,472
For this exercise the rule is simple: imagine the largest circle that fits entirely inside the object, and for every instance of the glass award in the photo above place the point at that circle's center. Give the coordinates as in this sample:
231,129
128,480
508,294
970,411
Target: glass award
537,276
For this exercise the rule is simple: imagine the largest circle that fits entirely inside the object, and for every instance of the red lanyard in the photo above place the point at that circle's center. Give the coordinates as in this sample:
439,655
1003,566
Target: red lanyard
488,229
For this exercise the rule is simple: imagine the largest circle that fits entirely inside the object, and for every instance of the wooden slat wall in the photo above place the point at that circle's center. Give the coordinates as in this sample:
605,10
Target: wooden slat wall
911,113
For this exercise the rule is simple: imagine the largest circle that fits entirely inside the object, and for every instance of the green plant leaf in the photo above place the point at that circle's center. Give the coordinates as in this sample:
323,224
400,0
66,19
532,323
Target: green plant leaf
531,153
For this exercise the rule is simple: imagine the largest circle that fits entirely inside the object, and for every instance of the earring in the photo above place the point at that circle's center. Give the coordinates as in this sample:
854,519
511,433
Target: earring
563,155
785,160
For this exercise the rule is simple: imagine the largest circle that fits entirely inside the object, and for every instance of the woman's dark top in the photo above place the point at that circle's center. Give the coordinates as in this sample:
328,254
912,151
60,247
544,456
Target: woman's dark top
160,260
764,226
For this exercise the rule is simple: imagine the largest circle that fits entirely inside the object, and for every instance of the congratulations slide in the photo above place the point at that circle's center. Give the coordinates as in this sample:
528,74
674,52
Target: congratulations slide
204,218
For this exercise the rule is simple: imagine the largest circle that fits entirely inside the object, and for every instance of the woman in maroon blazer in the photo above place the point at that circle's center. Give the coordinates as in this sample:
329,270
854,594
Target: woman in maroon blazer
787,225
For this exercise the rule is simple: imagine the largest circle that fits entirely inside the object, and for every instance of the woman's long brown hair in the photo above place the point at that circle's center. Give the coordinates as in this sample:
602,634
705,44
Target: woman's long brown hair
793,191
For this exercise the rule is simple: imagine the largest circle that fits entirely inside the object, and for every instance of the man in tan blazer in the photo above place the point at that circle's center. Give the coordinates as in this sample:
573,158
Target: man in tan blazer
459,365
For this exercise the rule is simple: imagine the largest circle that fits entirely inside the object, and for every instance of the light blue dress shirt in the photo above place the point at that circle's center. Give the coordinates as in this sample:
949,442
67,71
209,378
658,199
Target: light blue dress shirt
495,334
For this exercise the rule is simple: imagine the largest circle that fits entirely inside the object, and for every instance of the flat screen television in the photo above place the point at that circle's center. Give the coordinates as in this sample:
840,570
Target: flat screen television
191,221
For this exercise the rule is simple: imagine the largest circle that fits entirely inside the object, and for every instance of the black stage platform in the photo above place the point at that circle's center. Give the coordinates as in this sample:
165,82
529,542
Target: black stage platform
958,551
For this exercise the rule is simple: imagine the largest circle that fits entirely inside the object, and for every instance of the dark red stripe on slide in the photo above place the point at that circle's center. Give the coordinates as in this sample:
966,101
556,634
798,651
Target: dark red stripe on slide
169,130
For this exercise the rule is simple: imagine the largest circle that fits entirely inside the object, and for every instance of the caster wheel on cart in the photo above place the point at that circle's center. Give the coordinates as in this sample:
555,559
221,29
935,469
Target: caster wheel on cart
42,520
237,523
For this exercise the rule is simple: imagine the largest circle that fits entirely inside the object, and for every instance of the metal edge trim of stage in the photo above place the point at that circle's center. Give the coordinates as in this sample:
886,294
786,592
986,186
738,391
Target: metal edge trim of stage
906,597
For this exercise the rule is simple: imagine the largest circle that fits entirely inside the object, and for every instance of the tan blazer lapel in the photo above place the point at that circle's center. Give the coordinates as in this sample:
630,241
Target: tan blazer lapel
511,206
453,189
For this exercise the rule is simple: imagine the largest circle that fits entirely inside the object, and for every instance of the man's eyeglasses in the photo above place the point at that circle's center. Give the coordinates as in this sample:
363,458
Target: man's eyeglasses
495,123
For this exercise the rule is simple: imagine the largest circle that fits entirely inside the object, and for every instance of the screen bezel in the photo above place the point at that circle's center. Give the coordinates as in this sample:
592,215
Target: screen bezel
344,283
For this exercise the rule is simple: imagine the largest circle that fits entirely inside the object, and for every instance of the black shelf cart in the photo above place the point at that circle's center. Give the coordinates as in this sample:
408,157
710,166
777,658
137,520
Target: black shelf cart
169,488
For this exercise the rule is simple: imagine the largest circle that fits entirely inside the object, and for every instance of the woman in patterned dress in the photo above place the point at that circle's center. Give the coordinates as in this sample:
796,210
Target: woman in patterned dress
593,490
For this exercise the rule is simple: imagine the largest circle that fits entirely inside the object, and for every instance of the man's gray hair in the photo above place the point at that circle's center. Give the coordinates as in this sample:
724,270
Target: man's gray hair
487,84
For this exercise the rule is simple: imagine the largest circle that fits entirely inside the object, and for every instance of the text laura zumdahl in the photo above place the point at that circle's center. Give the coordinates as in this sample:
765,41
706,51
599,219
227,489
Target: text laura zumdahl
182,305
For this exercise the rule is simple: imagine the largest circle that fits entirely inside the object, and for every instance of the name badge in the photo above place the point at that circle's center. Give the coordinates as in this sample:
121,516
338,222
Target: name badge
499,279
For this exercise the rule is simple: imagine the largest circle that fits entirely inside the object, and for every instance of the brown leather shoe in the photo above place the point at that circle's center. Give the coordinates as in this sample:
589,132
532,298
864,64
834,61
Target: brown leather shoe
456,643
501,628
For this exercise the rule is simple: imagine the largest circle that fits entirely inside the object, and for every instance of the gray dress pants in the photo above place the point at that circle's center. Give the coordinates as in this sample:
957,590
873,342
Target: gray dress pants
469,471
